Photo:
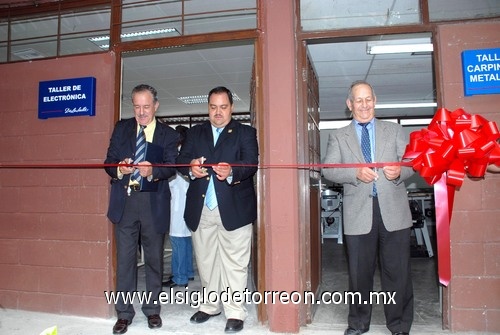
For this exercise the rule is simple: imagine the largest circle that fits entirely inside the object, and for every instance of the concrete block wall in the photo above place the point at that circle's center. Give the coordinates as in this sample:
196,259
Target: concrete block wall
55,239
472,299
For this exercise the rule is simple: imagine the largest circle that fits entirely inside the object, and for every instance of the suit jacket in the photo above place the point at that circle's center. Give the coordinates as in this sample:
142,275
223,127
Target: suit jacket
237,145
390,144
122,145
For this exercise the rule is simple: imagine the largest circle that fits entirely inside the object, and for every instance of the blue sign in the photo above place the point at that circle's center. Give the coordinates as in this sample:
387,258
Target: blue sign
67,97
481,70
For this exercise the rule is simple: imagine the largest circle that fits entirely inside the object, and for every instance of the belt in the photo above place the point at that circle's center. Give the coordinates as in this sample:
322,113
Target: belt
135,187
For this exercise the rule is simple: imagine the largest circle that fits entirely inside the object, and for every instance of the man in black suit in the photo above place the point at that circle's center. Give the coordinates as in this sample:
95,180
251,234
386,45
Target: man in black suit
140,201
221,157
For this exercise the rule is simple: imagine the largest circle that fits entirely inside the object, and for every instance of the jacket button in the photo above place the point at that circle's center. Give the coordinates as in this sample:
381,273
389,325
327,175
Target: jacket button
208,178
203,195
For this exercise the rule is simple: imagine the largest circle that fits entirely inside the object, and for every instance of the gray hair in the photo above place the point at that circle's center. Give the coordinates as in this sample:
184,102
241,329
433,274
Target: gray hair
356,83
144,88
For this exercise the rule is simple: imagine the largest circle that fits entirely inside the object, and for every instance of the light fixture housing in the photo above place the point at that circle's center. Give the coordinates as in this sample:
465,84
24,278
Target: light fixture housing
133,36
412,46
406,105
201,99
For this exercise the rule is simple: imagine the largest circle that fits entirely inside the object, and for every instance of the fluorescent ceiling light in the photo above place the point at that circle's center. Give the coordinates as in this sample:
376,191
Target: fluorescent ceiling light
28,54
133,35
136,34
201,99
376,49
149,32
333,124
415,122
325,125
407,105
99,38
194,99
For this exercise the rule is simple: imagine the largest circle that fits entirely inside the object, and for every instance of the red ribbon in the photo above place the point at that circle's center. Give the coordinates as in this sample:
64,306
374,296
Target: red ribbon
260,166
454,145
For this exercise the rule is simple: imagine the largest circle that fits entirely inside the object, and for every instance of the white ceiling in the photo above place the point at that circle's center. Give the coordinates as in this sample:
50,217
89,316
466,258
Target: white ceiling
192,72
395,78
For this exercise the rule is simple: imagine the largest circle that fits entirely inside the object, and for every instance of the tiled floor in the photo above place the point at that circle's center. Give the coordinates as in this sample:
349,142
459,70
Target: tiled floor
328,319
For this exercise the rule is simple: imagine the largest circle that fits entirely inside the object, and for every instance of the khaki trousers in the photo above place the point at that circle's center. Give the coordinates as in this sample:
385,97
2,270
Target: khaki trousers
222,258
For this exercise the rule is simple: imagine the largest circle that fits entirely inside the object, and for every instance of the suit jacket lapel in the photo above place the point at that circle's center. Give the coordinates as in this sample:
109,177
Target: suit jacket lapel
207,136
351,137
380,140
226,133
158,134
131,135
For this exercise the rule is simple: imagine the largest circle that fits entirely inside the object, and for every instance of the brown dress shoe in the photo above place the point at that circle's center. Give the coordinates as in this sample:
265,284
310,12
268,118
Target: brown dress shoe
121,326
154,321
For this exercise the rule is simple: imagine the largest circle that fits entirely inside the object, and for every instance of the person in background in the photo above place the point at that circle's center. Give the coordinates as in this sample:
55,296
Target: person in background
180,235
377,217
221,157
139,205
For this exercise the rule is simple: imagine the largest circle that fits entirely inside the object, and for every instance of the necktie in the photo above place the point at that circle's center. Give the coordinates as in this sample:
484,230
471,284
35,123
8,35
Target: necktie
365,143
140,152
210,196
366,148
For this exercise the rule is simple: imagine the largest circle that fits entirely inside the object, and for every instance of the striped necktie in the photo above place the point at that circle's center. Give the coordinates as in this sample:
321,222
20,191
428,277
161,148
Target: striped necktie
365,143
210,196
367,149
140,152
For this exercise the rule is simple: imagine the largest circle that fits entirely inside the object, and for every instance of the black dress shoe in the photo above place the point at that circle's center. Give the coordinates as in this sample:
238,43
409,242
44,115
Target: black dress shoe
171,283
154,321
121,326
233,325
200,317
352,331
400,333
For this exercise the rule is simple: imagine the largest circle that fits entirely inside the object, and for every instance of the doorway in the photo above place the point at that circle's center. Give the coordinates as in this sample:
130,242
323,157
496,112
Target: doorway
183,76
397,78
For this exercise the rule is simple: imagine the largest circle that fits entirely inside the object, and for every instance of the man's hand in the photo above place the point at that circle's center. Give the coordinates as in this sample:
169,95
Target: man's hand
126,169
392,172
145,169
222,170
366,175
197,170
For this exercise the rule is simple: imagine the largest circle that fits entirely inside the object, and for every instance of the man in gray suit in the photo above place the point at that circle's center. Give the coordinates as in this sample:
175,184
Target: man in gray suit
377,217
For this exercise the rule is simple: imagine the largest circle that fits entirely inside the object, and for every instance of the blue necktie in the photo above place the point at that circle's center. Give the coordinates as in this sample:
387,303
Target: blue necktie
366,148
140,151
210,196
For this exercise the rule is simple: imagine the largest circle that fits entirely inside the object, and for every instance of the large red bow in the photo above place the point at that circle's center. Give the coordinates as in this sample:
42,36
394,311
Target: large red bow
455,144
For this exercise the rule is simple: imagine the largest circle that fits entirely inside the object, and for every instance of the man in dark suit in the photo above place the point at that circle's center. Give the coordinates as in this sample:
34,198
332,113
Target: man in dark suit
221,157
140,201
377,217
